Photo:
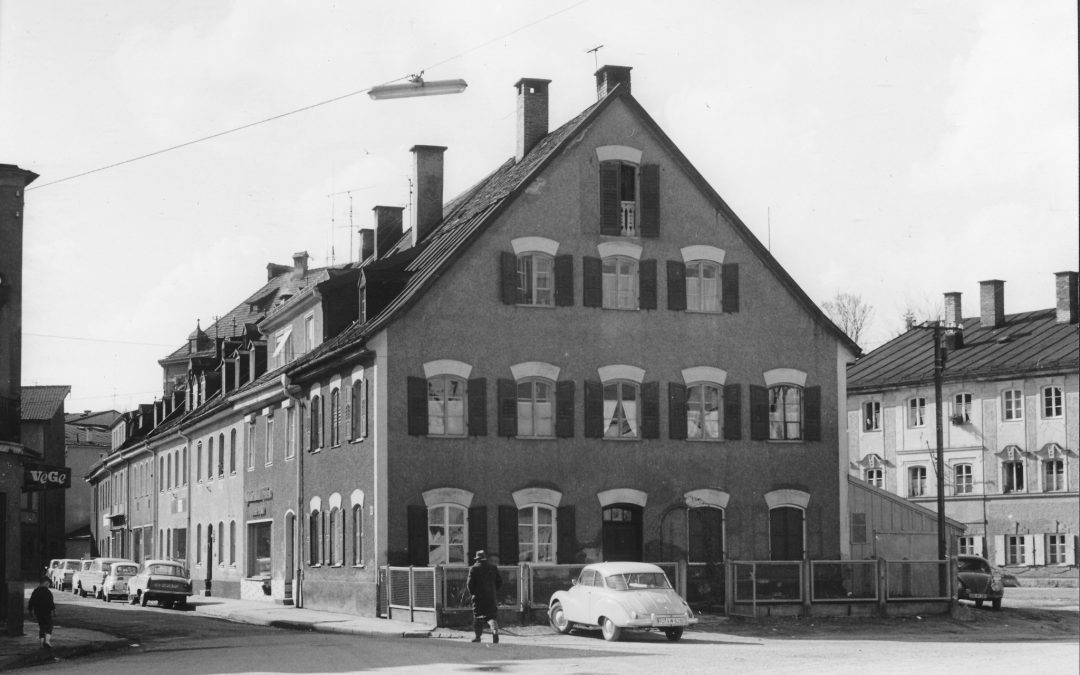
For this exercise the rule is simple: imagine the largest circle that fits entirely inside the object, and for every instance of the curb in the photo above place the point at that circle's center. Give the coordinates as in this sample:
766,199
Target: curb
42,656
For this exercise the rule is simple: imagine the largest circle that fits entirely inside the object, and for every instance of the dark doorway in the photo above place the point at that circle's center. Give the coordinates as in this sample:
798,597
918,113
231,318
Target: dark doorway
622,533
786,533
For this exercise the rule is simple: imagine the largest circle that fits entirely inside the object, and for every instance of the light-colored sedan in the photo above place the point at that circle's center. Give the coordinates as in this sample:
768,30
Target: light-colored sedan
116,581
166,581
618,596
61,573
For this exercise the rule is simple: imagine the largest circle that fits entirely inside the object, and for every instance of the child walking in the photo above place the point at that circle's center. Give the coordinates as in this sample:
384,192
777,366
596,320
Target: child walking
42,607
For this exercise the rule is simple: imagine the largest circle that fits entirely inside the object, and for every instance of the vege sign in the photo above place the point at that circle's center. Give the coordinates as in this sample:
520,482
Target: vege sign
38,477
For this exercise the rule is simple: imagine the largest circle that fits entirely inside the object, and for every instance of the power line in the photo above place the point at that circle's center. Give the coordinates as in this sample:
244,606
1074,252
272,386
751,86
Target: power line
86,339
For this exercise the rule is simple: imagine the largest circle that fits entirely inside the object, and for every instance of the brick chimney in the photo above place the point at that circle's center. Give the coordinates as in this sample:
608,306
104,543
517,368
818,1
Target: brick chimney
992,302
608,77
387,228
299,264
367,243
532,114
1066,284
954,315
428,183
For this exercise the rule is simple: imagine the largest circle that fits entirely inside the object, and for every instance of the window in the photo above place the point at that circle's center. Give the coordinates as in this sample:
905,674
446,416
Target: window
447,534
964,479
221,543
705,541
221,456
785,413
1054,475
1012,404
184,467
875,477
357,534
335,417
703,286
198,544
446,406
232,451
535,409
268,442
1051,402
249,444
620,283
1056,549
962,408
168,473
917,412
232,542
259,551
358,420
210,458
1012,477
621,410
335,522
283,348
916,481
1015,553
316,423
536,534
309,332
966,546
535,280
315,537
872,416
786,533
703,405
290,432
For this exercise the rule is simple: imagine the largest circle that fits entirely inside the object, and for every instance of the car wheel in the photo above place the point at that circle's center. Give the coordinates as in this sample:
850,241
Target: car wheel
82,592
558,619
167,604
182,604
673,634
143,599
133,599
997,603
612,633
978,603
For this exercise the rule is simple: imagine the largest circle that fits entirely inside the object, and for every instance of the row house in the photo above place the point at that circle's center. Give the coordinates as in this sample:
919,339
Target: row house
586,356
1009,409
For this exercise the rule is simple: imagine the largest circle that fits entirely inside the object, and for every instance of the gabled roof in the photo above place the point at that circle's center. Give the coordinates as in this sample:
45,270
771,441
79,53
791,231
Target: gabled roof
41,403
88,418
1026,344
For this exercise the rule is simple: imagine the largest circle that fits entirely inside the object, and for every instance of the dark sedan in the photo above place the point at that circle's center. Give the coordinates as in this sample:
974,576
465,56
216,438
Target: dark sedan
977,581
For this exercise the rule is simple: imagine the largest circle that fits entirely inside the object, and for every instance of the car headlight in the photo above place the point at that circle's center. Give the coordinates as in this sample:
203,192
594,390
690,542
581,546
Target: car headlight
633,614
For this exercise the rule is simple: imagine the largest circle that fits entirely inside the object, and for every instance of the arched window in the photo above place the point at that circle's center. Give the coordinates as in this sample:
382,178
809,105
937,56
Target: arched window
210,457
357,534
785,412
168,473
335,516
704,403
536,279
705,535
335,417
221,543
232,451
448,534
359,418
184,467
198,544
221,456
232,542
786,533
620,283
535,408
621,410
315,537
316,423
446,405
536,534
702,286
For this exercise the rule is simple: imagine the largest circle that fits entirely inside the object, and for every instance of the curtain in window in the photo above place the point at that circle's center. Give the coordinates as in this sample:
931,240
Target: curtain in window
620,410
446,535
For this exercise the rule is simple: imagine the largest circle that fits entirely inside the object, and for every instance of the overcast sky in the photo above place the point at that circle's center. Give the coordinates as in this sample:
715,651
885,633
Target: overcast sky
896,150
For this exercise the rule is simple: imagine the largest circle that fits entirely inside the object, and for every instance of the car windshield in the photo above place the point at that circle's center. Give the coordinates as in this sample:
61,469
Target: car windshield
71,565
636,580
973,566
126,569
167,570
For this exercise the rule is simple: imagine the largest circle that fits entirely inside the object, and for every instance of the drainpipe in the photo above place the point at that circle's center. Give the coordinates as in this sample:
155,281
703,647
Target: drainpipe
187,482
291,391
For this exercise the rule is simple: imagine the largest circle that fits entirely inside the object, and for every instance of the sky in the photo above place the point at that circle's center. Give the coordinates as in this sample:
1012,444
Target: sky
893,150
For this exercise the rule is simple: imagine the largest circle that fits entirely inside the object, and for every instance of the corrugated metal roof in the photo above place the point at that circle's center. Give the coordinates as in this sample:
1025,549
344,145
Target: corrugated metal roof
41,403
1027,343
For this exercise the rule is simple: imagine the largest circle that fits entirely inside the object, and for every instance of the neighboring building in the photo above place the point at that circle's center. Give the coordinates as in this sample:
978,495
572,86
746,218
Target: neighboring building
1011,423
885,525
86,441
586,356
43,433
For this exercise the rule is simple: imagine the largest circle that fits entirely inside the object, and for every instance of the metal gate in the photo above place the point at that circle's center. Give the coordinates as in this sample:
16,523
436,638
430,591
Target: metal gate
743,589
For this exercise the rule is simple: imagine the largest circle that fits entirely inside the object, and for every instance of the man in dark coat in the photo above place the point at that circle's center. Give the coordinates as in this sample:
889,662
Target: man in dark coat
42,607
484,582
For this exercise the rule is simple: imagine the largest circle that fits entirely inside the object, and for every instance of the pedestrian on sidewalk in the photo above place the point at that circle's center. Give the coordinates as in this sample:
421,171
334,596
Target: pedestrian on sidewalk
43,608
484,582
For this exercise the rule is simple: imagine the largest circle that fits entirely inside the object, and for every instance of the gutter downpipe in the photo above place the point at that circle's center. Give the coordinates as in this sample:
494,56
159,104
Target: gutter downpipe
290,391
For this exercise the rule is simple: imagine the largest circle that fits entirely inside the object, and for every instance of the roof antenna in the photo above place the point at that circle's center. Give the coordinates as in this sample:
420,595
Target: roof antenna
596,65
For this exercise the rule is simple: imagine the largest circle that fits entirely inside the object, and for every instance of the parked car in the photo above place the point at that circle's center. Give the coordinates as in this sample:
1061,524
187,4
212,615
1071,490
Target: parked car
618,596
89,580
165,581
977,581
60,574
116,581
82,568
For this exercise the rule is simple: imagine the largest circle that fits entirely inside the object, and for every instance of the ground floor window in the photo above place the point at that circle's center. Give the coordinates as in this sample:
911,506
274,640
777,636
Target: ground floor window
1055,549
447,534
259,556
357,534
536,534
705,540
786,533
622,532
1015,553
966,546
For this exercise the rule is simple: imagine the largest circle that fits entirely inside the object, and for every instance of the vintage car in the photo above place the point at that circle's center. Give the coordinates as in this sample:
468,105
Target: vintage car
89,579
60,574
165,581
116,581
976,581
618,596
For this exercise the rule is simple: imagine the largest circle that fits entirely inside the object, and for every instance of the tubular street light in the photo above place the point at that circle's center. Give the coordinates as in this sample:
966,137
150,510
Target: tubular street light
416,86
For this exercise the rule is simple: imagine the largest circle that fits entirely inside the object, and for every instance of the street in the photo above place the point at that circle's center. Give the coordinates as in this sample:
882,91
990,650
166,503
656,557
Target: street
1036,625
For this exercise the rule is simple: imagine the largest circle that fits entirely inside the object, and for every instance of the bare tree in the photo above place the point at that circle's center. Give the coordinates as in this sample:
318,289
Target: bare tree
849,312
918,311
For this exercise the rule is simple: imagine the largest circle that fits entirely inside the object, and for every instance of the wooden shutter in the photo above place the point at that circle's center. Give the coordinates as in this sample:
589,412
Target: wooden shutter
999,550
594,409
592,282
417,408
567,535
650,410
508,535
508,277
1038,548
647,284
733,412
564,280
676,411
650,200
365,394
478,407
507,392
564,409
676,285
477,531
812,413
759,413
609,198
417,535
729,287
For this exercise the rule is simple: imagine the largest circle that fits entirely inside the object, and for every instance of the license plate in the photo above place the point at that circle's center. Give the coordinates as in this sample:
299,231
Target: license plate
977,596
669,620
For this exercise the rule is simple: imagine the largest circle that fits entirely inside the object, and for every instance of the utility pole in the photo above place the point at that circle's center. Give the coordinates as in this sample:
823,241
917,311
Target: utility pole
939,366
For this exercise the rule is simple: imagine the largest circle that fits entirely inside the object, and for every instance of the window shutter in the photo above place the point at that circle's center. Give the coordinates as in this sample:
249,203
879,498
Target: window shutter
676,285
477,531
676,411
365,393
594,409
508,535
418,413
1040,550
978,545
418,536
508,278
592,282
564,409
1033,553
1070,549
812,413
647,284
729,287
567,535
759,413
650,410
732,412
478,407
609,198
507,390
650,200
564,280
999,550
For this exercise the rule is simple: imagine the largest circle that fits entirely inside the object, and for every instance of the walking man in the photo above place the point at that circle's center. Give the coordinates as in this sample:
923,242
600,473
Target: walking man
484,582
42,607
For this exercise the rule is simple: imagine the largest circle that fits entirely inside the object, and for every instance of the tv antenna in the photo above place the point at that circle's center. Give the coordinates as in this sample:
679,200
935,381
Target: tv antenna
593,51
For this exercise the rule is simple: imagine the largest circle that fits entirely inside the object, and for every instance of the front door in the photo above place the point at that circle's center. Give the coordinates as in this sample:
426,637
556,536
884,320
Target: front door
622,535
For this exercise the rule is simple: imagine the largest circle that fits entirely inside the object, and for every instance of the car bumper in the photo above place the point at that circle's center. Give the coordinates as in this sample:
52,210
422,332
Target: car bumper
661,622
